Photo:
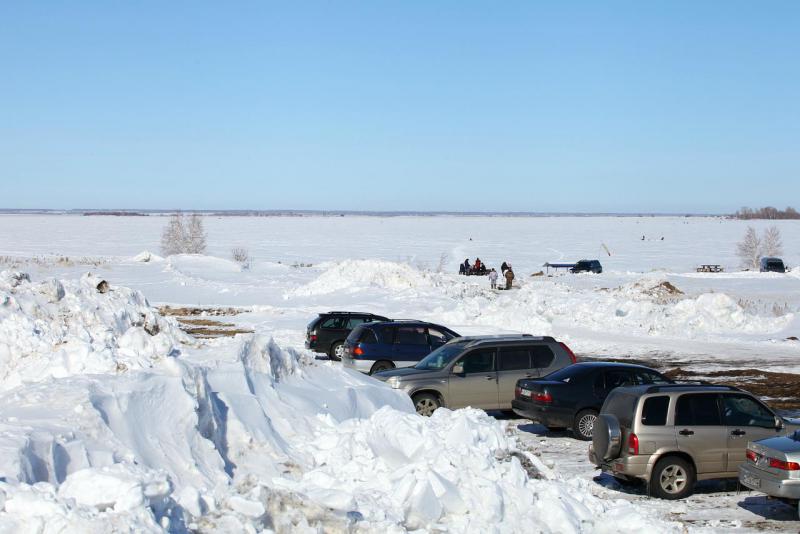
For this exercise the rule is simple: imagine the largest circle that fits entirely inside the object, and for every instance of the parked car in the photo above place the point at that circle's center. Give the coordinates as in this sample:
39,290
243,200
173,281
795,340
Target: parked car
477,371
373,347
771,265
773,467
587,266
572,397
327,332
672,435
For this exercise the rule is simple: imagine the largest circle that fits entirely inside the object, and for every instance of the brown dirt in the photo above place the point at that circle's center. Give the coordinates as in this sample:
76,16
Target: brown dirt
185,312
205,328
781,391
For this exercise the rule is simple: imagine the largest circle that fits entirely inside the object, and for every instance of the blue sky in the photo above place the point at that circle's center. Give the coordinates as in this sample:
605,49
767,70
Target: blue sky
447,105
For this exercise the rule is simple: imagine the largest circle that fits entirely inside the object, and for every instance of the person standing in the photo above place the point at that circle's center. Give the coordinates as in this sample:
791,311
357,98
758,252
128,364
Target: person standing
493,278
509,277
504,268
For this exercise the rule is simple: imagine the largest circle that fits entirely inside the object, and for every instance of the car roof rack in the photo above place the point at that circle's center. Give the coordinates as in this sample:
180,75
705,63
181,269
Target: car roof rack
688,385
351,312
477,340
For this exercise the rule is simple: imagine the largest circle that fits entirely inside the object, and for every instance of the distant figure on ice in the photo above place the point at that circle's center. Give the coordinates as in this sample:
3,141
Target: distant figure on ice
478,265
642,238
493,278
509,277
462,269
504,268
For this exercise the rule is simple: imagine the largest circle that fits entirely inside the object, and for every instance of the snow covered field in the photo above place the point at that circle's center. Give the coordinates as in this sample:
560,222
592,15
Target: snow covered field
112,418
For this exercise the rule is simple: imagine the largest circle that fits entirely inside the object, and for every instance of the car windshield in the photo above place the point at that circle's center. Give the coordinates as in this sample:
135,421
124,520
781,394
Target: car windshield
440,357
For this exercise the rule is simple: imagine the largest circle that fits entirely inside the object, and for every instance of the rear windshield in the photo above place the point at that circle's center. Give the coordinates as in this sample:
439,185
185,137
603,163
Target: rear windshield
367,336
355,334
313,323
622,405
565,374
775,265
439,358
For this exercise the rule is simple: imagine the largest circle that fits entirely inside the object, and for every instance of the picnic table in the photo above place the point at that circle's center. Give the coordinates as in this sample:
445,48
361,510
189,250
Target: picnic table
710,268
558,266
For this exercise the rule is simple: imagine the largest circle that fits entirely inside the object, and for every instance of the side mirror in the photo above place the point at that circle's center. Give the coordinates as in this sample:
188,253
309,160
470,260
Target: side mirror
458,369
778,423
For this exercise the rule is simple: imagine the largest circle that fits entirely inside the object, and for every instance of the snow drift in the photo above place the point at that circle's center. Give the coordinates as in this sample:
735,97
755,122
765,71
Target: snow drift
355,275
59,328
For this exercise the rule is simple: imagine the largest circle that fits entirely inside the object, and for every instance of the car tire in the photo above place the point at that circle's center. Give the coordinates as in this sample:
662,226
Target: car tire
381,365
426,404
337,349
583,425
672,478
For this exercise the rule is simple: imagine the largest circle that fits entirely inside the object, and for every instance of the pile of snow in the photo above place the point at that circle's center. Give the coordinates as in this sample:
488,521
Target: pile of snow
55,328
146,256
356,275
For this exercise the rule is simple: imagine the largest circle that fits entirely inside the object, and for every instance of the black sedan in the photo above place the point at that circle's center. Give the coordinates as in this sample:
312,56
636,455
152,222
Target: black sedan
571,397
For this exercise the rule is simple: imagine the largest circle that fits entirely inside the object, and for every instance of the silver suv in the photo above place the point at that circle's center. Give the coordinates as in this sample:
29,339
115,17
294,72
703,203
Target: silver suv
673,435
481,372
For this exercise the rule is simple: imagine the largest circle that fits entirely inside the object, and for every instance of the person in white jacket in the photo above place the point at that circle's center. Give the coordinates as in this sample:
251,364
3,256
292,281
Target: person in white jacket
493,278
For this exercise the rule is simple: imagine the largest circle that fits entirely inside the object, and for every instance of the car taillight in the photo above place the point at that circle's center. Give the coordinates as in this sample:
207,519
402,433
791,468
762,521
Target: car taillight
517,391
783,465
358,351
569,352
751,455
633,444
312,337
543,397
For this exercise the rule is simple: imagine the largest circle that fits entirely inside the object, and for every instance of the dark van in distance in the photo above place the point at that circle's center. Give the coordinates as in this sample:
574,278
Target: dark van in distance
771,265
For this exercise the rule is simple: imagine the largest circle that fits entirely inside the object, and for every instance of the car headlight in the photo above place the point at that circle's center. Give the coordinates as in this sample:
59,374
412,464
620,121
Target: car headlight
394,382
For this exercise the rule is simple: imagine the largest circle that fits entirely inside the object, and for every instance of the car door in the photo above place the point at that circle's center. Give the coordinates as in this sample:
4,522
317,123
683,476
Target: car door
514,363
745,419
410,344
700,432
333,328
476,386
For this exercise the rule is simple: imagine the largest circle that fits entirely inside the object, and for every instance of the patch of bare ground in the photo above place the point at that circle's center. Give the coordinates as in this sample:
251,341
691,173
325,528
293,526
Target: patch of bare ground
781,391
196,321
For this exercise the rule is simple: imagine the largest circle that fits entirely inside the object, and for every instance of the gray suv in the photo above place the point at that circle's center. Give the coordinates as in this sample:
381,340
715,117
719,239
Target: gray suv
675,434
481,372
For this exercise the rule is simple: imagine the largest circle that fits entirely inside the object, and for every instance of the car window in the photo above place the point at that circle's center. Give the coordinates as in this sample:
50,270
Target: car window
615,378
437,336
741,410
542,356
654,411
333,322
410,335
643,376
478,361
698,410
367,336
623,406
353,322
514,358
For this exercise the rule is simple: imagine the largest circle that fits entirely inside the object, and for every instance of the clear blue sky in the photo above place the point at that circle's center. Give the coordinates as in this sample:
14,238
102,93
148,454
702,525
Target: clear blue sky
423,105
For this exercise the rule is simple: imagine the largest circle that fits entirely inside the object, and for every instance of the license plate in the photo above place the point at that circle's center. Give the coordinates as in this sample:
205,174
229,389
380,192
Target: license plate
751,481
525,392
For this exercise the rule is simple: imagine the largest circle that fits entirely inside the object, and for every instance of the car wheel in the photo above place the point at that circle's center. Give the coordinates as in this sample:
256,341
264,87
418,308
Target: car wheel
337,351
382,365
672,478
584,424
426,404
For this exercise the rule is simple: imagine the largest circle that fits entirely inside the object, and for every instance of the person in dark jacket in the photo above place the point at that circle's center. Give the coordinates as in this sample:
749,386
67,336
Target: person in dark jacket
466,266
504,268
509,277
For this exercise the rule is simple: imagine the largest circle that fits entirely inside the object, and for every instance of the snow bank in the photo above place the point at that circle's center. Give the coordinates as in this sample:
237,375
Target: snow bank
146,256
355,275
57,328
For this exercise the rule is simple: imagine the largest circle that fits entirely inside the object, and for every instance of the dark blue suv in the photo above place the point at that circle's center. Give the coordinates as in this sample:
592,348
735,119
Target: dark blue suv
373,347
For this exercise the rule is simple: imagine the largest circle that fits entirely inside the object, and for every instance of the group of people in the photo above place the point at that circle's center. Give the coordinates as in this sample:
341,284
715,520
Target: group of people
508,274
478,268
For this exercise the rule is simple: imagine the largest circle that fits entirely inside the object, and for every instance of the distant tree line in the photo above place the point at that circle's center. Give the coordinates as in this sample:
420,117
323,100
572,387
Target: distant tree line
767,212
